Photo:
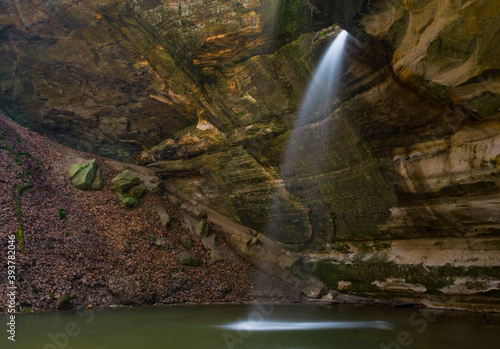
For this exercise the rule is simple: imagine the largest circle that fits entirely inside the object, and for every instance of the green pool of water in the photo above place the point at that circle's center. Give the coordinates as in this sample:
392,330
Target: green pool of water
258,327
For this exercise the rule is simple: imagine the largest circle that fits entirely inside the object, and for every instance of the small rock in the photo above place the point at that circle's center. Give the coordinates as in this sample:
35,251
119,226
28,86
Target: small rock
328,298
254,241
189,261
162,244
164,216
174,200
343,285
191,223
153,187
314,292
28,310
224,289
128,201
186,241
200,214
202,229
64,302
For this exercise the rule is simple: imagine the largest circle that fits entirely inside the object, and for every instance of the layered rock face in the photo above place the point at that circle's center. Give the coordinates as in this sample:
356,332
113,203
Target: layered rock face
117,76
393,194
441,165
445,48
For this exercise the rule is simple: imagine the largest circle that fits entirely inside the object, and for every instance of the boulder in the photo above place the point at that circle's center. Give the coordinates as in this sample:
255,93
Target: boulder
124,182
86,175
137,191
128,188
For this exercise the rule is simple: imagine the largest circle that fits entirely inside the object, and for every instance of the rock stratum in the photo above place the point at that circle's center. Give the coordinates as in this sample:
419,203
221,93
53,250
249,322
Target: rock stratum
394,194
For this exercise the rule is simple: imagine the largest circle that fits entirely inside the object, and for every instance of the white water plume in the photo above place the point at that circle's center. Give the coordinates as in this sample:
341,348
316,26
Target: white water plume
317,101
305,151
305,326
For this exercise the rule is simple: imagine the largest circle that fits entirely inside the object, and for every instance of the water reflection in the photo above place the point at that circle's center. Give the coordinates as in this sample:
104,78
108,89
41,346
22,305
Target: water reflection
304,326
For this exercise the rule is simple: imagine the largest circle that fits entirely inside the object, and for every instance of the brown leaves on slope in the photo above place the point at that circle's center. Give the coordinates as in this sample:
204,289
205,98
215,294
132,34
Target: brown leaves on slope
99,253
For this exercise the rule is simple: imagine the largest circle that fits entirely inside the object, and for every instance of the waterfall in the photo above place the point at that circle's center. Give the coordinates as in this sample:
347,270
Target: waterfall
317,100
316,105
304,154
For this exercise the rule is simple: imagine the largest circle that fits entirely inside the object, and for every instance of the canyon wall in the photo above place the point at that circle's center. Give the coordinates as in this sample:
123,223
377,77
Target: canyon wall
394,194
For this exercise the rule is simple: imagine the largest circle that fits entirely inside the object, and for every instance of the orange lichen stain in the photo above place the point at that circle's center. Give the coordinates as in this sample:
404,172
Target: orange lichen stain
143,62
403,73
395,57
98,16
407,76
493,125
159,47
455,98
204,62
210,38
233,87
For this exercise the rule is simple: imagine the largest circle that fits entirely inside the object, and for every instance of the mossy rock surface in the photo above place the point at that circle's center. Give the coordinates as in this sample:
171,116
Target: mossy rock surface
202,229
86,175
137,191
128,188
128,201
28,310
64,302
124,182
188,260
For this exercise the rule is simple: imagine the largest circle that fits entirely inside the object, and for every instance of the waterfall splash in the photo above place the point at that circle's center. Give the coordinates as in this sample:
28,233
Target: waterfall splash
305,326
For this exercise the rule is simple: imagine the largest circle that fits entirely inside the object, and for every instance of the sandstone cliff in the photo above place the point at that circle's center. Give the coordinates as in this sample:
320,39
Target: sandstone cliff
394,194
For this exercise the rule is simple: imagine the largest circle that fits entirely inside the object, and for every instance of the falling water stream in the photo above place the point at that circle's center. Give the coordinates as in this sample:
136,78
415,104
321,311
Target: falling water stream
304,154
317,102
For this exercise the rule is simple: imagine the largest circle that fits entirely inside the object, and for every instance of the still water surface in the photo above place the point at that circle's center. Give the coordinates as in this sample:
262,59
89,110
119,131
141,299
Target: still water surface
256,327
